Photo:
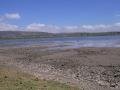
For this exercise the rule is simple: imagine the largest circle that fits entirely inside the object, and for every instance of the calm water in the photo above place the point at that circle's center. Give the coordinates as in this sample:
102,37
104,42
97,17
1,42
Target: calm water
69,42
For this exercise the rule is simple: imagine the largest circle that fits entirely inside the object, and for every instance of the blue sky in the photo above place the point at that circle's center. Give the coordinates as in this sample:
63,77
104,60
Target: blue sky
62,12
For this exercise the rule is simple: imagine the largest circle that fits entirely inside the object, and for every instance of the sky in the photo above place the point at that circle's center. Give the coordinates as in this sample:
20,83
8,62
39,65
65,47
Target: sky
60,15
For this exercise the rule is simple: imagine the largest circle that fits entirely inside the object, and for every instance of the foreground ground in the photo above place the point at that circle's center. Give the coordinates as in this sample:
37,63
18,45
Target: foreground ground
11,79
87,68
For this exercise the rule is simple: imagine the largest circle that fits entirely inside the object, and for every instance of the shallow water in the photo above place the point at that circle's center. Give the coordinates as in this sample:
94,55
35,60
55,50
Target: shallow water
68,42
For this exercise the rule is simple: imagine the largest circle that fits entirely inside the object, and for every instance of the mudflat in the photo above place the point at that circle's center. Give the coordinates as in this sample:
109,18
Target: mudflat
87,68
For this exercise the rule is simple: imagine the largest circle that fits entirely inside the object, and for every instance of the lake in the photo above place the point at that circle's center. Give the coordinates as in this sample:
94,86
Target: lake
65,42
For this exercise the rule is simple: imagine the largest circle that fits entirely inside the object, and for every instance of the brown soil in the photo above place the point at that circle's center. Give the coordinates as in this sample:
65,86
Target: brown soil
88,68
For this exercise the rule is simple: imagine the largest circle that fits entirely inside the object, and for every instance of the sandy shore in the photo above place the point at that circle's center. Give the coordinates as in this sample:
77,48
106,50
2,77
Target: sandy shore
88,68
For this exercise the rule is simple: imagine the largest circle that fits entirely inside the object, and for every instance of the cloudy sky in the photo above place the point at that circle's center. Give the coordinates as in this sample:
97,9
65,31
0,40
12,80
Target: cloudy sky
58,16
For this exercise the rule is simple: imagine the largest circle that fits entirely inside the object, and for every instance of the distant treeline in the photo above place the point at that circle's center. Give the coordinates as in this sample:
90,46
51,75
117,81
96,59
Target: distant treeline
25,35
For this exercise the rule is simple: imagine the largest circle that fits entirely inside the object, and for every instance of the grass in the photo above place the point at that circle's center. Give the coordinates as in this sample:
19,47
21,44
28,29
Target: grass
11,79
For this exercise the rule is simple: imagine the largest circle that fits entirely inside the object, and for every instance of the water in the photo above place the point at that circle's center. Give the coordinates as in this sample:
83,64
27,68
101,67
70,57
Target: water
68,42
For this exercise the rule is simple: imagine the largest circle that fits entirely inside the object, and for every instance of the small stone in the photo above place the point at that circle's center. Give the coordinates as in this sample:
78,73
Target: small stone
6,77
44,86
113,85
36,79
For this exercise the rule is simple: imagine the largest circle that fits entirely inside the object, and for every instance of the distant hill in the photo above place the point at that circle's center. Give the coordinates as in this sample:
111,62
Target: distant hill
25,35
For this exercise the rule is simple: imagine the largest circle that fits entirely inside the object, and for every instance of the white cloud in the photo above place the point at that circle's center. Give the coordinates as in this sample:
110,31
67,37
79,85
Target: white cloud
53,28
100,26
42,28
12,16
69,29
8,27
37,27
117,24
9,16
88,27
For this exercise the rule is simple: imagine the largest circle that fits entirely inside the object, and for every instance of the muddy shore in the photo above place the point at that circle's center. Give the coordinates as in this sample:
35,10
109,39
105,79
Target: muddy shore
87,68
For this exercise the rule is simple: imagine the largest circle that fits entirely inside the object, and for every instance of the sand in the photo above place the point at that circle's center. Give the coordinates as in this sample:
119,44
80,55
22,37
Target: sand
87,68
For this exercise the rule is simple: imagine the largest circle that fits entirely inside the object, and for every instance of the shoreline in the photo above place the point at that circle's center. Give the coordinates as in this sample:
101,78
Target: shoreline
88,68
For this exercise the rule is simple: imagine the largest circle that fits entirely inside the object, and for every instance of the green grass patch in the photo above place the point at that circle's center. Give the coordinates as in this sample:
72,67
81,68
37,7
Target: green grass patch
11,79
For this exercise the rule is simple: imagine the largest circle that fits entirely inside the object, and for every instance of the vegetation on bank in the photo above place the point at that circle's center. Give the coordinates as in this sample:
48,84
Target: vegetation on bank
27,35
14,80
